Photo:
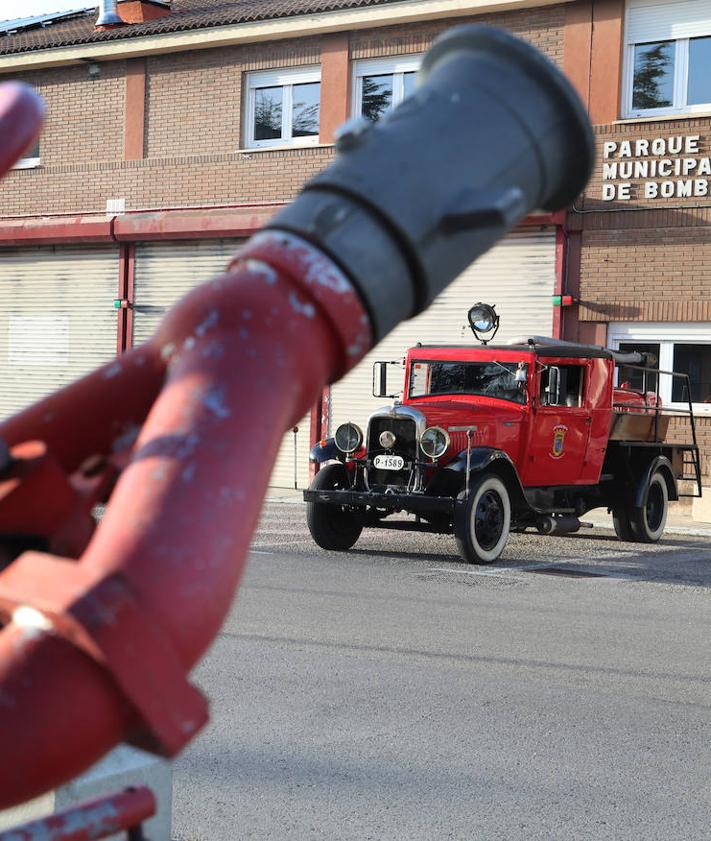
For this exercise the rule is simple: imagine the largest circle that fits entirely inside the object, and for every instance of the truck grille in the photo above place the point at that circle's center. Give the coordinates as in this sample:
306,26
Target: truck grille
405,446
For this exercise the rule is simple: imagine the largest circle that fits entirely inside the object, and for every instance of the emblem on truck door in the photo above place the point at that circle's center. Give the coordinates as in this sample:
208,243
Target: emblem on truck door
558,440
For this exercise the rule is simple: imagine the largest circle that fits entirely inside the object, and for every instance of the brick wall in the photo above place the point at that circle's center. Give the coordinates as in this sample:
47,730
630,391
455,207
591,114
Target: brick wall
679,431
642,258
542,27
82,111
646,274
193,124
188,180
194,103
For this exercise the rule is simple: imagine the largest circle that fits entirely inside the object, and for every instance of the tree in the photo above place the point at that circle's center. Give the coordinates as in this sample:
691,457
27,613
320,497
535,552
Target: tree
652,70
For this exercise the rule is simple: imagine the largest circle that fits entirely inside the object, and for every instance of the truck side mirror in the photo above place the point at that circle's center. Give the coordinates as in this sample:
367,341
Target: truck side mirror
553,386
380,379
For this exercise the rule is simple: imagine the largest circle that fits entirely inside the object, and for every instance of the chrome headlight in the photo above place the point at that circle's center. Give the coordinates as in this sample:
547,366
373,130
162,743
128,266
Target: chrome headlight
387,439
348,437
434,442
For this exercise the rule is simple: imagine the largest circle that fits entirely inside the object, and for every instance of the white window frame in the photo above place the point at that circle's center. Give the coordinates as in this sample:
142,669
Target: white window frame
285,78
666,336
688,30
27,163
396,66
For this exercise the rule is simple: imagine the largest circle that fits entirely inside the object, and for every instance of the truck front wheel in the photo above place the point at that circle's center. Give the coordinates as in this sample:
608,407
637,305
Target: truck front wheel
648,521
482,520
332,526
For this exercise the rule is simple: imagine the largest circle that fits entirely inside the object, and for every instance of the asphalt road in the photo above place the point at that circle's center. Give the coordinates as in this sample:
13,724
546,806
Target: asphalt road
393,692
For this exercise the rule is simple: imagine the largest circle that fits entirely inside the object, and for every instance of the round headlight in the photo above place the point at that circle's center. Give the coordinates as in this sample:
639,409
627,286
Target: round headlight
348,437
387,439
434,442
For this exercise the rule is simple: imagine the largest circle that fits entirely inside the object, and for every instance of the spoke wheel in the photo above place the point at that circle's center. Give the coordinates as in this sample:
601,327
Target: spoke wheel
332,527
483,520
648,521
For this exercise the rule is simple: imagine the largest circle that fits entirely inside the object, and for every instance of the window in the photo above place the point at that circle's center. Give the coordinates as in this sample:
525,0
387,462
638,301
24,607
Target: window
562,385
667,58
30,159
283,108
485,379
684,348
634,378
381,84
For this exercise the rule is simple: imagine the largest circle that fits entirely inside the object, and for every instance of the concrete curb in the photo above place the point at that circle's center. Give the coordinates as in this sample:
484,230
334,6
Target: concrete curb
693,529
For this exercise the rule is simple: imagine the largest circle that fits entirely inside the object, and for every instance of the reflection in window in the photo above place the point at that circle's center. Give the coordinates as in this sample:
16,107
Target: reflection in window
268,113
694,360
382,84
699,90
283,107
377,96
486,379
653,75
305,110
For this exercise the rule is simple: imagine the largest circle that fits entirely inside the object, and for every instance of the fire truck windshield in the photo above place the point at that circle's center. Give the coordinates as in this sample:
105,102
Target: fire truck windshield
502,380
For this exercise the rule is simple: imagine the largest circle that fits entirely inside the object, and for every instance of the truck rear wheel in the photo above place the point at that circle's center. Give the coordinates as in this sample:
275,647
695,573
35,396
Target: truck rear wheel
332,526
482,520
621,522
648,521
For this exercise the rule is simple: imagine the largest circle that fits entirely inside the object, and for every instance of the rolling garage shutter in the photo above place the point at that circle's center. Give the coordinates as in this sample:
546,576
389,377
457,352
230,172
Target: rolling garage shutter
57,318
517,276
165,272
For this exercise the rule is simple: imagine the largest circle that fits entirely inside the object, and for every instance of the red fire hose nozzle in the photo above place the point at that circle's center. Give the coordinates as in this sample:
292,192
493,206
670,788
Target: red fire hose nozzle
96,650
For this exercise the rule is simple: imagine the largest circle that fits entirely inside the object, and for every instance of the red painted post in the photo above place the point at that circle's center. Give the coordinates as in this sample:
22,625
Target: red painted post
90,821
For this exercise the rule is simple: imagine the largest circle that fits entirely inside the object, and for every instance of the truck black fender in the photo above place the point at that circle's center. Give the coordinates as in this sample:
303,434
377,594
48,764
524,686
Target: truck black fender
326,451
481,459
663,465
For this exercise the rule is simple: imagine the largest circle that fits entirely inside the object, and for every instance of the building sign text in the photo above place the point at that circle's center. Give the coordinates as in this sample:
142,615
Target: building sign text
667,167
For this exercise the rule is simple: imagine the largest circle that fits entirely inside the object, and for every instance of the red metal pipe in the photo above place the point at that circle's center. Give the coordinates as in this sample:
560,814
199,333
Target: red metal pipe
244,357
90,821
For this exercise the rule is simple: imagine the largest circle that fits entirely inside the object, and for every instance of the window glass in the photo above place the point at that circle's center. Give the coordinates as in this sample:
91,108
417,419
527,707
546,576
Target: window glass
377,96
653,75
305,110
408,83
34,152
267,113
694,360
632,377
487,379
568,391
699,90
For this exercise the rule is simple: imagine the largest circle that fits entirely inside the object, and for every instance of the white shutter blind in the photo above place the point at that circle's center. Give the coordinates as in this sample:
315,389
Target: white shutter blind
517,276
57,318
165,272
655,20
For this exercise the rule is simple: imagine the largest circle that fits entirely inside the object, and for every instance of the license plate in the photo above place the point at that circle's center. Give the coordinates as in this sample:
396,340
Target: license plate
389,462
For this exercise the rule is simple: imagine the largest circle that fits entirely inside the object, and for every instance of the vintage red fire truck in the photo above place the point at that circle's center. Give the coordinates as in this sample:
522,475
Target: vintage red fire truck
491,439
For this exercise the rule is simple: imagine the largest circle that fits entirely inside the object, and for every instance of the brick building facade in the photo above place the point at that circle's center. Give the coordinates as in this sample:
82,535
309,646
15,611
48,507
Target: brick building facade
156,116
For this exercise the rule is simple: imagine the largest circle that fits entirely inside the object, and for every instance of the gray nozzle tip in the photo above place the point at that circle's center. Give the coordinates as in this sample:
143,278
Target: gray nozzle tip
498,42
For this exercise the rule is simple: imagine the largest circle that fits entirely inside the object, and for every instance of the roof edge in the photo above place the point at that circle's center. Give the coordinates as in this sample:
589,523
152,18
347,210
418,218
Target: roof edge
370,17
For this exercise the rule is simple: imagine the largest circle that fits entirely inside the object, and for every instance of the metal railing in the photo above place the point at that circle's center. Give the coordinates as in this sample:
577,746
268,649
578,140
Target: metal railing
670,411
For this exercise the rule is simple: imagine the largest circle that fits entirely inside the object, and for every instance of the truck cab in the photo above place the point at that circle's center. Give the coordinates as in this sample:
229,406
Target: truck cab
488,439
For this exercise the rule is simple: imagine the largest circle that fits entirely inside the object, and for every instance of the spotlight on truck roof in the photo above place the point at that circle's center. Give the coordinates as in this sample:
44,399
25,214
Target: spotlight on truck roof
483,319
